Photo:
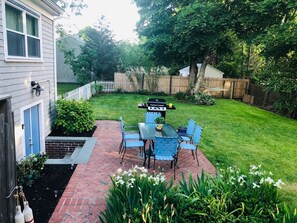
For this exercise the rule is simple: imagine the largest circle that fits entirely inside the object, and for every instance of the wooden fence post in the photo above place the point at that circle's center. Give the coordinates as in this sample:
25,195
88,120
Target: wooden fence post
7,161
231,89
170,85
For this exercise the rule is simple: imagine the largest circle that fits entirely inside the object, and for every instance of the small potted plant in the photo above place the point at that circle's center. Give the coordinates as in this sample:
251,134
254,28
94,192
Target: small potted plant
160,121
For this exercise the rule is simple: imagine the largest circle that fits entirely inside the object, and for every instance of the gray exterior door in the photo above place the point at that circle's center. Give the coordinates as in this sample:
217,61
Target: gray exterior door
32,130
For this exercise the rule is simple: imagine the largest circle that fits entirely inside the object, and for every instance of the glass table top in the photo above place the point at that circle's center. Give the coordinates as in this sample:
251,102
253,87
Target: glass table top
148,131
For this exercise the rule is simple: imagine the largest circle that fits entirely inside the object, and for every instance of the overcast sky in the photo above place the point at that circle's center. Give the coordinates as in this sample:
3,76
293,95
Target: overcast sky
121,15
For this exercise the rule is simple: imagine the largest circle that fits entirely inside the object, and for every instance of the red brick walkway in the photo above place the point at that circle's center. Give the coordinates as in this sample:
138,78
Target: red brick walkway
85,193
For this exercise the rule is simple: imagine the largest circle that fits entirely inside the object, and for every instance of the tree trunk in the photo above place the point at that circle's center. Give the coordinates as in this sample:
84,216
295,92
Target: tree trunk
201,73
192,74
266,98
248,61
242,59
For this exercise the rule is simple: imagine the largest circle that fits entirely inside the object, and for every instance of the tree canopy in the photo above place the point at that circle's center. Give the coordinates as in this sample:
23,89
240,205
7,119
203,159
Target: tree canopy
252,37
98,57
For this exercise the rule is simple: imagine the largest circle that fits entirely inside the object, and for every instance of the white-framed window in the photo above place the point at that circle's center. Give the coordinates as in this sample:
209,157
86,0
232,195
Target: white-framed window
23,32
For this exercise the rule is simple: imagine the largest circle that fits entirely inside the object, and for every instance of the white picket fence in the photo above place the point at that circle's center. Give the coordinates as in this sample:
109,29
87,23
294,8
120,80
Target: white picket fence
108,86
87,91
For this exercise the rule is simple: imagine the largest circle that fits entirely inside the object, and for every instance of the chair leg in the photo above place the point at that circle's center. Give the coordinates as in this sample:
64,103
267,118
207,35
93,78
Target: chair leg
140,151
154,163
193,154
144,162
124,152
121,146
174,169
197,157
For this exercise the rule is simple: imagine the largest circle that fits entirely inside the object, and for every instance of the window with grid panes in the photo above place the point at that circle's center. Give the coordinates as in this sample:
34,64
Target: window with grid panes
22,32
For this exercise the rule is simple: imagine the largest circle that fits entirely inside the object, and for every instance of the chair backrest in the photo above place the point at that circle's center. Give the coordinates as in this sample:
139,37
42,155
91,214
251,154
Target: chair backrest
122,126
151,116
191,127
197,135
165,146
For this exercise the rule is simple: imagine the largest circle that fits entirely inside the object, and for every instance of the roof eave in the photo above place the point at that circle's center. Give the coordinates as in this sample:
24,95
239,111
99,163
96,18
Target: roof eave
49,6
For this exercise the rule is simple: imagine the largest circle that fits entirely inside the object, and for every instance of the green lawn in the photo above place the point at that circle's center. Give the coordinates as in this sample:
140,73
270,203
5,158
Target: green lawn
64,88
233,133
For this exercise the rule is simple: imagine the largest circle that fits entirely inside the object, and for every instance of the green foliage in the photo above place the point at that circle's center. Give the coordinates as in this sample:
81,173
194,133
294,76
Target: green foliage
241,36
160,120
285,214
280,74
136,196
74,116
132,56
74,6
232,196
230,69
183,96
71,8
280,77
199,98
98,57
29,169
202,98
233,133
96,87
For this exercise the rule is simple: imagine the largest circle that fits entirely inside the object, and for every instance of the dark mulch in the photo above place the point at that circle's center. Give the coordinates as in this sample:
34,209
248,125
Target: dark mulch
41,195
58,132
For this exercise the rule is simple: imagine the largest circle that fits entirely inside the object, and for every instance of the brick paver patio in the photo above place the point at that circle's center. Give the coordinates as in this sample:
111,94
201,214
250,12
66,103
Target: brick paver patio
85,193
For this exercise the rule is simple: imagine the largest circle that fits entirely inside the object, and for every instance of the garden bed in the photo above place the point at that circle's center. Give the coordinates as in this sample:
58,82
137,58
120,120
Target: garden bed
54,177
41,195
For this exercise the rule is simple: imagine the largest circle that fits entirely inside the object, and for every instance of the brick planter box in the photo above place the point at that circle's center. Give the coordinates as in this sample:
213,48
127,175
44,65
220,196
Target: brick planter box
79,149
58,147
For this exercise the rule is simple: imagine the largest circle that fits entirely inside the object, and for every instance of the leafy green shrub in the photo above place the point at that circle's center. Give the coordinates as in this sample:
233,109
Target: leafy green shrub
199,98
136,196
232,196
119,91
182,96
143,92
29,169
74,116
203,99
159,93
253,194
96,87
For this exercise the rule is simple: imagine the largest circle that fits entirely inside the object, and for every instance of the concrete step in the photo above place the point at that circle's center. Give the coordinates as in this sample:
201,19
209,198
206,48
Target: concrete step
67,156
75,153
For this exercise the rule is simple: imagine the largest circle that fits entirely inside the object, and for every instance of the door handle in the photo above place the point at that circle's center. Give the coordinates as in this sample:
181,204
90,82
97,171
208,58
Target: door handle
30,142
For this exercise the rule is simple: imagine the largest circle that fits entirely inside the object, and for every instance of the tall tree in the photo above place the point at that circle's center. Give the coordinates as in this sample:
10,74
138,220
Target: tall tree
183,32
71,8
138,66
155,28
98,59
280,74
200,32
252,18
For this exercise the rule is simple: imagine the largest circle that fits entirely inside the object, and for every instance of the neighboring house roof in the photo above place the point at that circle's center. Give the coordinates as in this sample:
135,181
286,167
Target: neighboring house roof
209,72
49,6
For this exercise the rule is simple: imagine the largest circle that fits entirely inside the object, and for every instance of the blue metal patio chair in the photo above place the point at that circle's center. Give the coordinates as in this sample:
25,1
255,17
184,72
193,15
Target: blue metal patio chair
130,144
151,116
195,142
165,148
126,135
190,130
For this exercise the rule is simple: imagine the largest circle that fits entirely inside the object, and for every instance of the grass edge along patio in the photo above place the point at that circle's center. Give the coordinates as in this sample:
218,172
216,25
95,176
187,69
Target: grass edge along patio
233,133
